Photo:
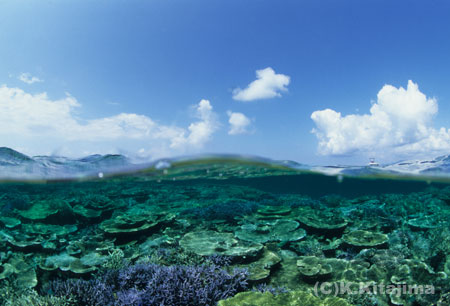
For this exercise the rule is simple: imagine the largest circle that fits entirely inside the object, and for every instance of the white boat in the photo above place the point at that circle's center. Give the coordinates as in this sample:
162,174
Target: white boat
372,163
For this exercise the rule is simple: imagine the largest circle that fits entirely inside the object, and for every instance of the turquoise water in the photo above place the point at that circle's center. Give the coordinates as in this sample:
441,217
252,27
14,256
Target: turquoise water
290,232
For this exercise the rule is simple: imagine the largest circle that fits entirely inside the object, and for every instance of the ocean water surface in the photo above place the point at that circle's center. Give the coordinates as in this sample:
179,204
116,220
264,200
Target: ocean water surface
225,231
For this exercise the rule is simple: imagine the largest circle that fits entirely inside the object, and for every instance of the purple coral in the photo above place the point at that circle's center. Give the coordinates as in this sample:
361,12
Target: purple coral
151,284
220,260
181,285
89,293
267,288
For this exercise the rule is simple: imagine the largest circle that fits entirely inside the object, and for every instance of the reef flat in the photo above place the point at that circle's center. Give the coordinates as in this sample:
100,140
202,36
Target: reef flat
223,234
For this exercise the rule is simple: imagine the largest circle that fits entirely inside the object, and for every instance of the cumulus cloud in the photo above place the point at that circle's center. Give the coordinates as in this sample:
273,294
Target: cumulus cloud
34,120
400,123
28,78
267,85
239,123
201,130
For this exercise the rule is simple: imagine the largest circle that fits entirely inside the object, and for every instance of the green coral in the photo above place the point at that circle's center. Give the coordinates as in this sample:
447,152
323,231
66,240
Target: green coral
206,243
314,267
57,210
9,222
31,298
321,220
365,239
115,261
293,298
273,212
279,230
262,268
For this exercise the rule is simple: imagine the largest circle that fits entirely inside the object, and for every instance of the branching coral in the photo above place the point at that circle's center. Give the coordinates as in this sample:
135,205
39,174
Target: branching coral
151,284
178,256
180,285
88,293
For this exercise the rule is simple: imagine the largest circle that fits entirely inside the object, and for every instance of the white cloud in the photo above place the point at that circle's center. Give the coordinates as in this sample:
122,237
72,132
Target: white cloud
399,123
41,124
267,85
28,78
239,123
199,131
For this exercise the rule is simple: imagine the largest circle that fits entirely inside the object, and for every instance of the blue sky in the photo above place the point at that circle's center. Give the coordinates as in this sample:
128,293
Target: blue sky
155,61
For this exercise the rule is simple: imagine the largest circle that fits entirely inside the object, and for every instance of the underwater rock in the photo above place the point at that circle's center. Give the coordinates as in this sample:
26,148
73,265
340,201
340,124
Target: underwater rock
279,230
210,242
293,298
365,239
10,222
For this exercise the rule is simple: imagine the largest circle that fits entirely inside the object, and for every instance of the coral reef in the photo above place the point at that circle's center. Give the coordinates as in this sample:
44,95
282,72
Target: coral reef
144,240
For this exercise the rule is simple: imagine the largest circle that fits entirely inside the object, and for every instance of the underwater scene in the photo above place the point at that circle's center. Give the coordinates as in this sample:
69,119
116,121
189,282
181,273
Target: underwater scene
225,232
224,153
